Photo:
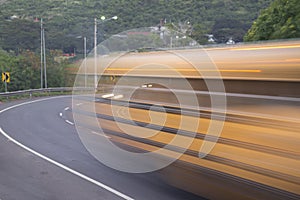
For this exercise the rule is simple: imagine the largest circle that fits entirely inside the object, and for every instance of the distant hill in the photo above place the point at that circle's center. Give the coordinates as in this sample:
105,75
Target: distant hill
66,20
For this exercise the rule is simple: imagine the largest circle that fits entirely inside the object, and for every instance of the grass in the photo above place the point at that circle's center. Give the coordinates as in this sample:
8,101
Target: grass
28,96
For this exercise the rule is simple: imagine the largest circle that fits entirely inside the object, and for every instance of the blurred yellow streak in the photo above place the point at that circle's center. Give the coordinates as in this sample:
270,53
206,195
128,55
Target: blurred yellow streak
263,48
190,70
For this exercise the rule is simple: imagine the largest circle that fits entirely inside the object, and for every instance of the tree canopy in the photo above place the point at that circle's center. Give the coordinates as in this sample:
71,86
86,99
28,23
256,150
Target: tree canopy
279,21
65,20
25,71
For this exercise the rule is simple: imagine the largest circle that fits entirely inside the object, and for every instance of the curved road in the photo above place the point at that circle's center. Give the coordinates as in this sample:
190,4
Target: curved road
58,166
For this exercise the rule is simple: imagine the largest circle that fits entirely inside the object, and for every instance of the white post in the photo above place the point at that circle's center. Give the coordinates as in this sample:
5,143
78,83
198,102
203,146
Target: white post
5,84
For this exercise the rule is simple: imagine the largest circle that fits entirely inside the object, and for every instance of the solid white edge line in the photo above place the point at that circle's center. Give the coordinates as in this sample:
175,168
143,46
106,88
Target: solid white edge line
53,161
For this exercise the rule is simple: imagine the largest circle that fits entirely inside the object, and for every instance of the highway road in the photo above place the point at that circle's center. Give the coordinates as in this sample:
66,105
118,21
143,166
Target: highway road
265,61
256,156
256,148
42,157
255,85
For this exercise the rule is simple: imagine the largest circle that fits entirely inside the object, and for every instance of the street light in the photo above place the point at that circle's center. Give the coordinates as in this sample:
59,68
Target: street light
95,45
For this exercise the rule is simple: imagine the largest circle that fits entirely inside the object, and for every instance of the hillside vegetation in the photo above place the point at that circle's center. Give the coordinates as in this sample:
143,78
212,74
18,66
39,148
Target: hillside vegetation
66,20
25,71
279,21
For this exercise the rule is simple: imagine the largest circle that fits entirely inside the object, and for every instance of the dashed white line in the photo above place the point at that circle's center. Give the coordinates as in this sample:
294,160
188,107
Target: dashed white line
67,108
60,114
79,104
69,122
110,189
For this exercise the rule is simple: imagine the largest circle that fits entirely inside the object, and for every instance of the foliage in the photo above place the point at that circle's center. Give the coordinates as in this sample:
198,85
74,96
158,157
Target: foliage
25,71
33,95
65,20
280,20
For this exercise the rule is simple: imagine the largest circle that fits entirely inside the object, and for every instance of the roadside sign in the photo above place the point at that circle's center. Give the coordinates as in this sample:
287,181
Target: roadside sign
6,77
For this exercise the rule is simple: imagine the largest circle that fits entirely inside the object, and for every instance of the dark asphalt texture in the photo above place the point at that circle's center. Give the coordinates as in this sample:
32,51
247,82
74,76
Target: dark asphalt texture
26,176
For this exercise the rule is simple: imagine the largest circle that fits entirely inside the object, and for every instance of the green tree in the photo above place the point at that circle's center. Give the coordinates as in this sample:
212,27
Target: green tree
19,35
65,20
279,21
25,71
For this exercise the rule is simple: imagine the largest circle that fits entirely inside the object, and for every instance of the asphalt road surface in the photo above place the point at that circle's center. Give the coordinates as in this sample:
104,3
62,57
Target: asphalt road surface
42,157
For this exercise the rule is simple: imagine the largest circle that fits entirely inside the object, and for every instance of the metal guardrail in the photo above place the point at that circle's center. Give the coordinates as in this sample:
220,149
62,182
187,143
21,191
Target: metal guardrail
30,92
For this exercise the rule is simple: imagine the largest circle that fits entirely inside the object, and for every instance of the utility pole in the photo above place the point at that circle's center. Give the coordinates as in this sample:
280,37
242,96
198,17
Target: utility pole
95,54
43,57
41,52
45,66
84,48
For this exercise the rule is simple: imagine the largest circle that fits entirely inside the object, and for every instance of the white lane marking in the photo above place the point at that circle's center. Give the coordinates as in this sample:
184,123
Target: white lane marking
65,167
69,122
110,189
107,95
101,134
79,104
60,114
118,96
67,108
